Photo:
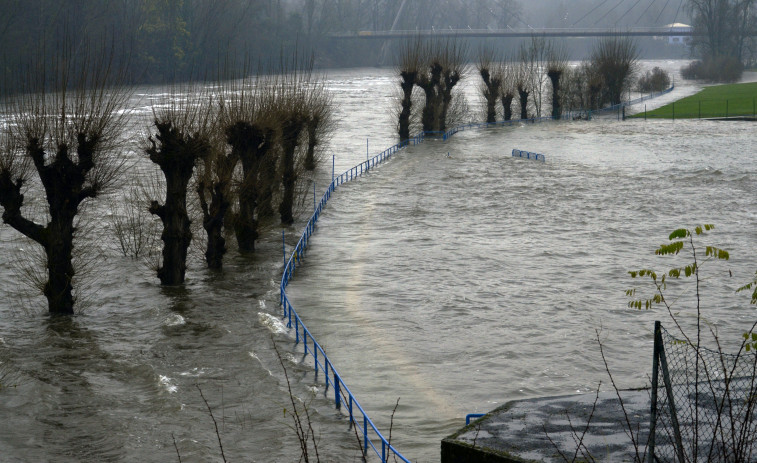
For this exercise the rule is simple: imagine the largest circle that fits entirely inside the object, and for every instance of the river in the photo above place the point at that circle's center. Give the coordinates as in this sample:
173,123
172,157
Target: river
452,283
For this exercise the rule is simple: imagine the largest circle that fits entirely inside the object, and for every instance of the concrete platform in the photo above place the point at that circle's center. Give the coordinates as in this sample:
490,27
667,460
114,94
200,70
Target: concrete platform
520,431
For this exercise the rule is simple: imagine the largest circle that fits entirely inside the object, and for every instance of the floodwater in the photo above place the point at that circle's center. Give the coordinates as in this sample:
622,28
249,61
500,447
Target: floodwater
448,283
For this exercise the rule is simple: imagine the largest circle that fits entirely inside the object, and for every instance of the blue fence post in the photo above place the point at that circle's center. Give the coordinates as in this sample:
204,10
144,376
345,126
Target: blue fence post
365,434
337,397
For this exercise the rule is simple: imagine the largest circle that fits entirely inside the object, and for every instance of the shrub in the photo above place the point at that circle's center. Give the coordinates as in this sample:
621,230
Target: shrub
714,69
655,80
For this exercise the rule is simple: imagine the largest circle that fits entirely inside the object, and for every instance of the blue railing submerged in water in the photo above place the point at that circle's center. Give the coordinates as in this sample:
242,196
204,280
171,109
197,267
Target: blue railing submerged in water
528,155
371,436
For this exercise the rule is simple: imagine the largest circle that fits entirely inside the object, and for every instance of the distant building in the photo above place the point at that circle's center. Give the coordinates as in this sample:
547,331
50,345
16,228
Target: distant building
678,39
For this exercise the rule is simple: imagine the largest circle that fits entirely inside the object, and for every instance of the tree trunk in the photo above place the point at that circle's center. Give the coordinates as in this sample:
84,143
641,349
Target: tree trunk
408,82
213,221
312,129
431,85
176,234
507,105
251,144
523,97
60,270
290,137
176,157
554,77
450,80
491,94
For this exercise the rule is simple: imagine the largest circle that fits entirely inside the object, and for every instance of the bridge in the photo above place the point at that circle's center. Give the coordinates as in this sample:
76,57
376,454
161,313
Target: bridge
665,31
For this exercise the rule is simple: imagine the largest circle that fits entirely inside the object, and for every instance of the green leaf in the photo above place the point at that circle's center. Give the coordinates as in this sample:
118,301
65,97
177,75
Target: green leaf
672,248
716,253
754,336
709,226
680,233
698,230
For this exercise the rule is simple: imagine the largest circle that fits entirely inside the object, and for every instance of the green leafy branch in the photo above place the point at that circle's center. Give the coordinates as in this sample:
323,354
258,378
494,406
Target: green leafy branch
680,239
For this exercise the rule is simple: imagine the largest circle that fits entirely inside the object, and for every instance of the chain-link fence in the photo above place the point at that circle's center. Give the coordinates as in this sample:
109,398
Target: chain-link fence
703,403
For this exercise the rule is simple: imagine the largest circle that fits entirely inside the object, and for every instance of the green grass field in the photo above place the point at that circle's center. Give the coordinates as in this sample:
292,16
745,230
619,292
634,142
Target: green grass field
712,102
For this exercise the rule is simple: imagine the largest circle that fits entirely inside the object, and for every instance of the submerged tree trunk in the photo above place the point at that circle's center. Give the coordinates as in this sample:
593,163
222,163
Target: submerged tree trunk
491,94
290,131
212,221
250,143
216,185
523,97
554,77
176,157
431,85
507,105
408,82
451,78
312,129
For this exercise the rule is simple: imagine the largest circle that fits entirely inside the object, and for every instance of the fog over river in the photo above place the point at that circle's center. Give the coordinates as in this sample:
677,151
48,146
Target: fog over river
452,283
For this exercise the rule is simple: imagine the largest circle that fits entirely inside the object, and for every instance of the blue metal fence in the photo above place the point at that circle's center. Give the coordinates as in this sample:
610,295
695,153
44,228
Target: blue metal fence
528,155
371,436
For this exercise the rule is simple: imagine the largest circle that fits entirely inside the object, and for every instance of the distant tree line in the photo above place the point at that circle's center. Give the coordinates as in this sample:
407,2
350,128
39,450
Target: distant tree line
535,82
724,39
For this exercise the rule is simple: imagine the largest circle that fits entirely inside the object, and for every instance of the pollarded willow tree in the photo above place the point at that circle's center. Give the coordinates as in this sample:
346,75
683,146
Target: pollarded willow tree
507,89
408,65
492,75
247,109
446,65
64,131
557,64
615,60
300,96
183,137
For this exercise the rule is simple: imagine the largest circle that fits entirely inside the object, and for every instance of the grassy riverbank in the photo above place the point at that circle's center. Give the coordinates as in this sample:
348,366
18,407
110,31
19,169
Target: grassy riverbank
717,101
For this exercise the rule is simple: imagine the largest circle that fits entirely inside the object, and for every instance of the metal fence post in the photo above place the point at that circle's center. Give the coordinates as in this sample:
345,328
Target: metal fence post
337,397
365,434
671,404
653,399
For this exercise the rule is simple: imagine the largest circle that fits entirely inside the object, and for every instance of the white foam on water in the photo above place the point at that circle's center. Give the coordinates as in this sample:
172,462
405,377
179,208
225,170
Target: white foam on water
272,323
174,320
167,384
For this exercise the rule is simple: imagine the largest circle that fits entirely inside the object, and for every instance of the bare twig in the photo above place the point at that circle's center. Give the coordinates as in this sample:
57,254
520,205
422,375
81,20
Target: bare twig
391,425
176,447
215,423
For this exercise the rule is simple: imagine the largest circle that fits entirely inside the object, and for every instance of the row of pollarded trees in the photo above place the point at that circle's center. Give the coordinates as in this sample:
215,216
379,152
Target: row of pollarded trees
250,144
604,79
243,149
436,67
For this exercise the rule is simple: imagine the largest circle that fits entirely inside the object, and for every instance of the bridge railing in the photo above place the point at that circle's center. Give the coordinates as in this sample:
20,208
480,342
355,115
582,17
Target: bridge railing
371,436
